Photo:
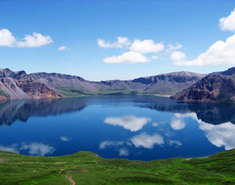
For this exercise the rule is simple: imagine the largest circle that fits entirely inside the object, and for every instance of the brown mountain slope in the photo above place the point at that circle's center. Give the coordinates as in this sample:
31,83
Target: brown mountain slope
212,88
19,85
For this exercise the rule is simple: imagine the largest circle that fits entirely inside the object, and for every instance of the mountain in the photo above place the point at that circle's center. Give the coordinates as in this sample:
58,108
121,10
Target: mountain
19,85
218,87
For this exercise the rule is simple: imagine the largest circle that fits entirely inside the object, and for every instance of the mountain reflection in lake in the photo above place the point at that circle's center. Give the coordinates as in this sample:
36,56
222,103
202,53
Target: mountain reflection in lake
132,127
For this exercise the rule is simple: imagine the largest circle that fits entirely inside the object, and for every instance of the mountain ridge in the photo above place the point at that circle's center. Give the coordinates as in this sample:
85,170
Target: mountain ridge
20,85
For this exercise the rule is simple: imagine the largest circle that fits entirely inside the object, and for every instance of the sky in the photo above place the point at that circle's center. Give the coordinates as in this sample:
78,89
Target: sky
117,39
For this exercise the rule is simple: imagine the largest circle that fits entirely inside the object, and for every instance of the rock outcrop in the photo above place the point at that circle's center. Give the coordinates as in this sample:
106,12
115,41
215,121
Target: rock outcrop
214,88
19,85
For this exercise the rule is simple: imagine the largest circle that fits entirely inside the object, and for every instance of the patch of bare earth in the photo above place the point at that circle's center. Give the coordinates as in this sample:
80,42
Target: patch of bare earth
72,182
78,171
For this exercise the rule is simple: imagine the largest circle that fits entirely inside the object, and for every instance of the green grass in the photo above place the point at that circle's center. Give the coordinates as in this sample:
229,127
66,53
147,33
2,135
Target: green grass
161,91
78,92
88,168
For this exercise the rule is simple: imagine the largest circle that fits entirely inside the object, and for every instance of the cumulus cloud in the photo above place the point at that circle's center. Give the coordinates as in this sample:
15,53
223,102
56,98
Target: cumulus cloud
228,23
6,38
127,58
35,40
146,46
38,148
120,43
62,48
147,141
220,53
131,123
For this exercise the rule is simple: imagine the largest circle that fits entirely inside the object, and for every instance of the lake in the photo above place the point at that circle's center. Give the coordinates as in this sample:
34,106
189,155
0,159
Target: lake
132,127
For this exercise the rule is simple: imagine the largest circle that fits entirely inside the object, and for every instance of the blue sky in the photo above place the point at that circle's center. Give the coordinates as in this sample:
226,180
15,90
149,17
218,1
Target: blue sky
122,39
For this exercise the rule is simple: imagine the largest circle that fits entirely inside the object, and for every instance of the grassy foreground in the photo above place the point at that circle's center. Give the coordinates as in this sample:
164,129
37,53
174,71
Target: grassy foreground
88,168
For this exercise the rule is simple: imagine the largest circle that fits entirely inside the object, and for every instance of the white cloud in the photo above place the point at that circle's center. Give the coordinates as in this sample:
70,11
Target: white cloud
121,41
62,48
155,57
36,40
172,48
228,23
146,46
127,58
131,123
6,38
178,57
38,149
105,144
147,141
220,53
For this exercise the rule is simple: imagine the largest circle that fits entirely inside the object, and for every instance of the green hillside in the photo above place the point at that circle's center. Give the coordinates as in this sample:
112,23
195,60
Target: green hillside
88,168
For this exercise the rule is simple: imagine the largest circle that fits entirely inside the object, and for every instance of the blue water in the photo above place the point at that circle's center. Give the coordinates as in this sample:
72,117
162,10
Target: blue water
132,127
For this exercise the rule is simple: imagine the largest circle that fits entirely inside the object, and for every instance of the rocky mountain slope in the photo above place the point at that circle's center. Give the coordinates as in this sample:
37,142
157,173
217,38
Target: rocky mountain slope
215,88
19,85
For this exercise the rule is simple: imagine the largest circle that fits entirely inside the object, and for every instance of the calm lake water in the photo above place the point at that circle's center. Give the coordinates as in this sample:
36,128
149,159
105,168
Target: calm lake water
131,127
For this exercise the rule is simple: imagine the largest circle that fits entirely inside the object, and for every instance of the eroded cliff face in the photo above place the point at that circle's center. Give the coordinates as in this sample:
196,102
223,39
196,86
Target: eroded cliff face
211,89
19,85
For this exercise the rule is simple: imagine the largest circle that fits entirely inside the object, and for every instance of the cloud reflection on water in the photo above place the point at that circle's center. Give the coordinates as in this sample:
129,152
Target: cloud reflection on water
105,144
9,149
38,148
131,123
219,135
63,138
123,152
31,148
147,141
